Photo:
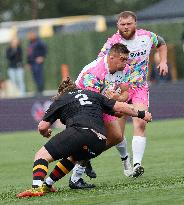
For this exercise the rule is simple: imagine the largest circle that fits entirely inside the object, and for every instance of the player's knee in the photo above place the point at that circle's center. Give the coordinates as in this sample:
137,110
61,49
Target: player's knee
140,126
117,138
42,153
38,155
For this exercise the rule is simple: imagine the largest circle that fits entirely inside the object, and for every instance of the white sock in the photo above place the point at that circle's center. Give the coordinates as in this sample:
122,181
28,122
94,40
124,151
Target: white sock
37,183
78,171
138,147
122,148
49,181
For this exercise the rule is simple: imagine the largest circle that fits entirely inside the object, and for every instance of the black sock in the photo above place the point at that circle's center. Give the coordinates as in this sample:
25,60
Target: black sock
123,159
62,168
136,164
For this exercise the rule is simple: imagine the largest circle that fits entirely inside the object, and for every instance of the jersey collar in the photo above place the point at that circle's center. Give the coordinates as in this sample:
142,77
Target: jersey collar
106,64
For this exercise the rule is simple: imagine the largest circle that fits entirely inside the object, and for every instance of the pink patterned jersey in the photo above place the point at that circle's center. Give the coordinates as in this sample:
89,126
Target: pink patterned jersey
139,47
96,76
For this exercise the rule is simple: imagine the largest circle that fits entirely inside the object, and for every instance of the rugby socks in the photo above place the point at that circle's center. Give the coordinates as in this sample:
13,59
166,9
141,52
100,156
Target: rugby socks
62,168
138,147
78,171
40,169
122,149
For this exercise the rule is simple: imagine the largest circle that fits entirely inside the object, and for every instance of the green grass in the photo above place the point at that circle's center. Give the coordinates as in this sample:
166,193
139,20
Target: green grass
162,183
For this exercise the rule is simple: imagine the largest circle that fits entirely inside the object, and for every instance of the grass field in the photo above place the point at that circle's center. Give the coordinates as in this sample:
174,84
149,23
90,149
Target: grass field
162,183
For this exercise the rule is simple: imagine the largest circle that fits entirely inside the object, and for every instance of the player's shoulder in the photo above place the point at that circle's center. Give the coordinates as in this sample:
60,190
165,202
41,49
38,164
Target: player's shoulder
93,95
89,92
116,36
143,32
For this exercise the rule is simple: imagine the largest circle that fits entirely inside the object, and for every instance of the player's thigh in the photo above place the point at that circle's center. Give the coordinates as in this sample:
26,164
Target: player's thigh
63,144
139,124
113,131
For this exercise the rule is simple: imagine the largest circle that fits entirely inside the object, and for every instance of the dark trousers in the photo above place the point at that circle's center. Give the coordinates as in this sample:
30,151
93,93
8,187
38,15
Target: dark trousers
37,72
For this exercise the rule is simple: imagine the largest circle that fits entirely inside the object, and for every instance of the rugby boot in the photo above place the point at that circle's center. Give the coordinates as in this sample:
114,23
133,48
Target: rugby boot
127,167
31,193
89,170
80,184
138,171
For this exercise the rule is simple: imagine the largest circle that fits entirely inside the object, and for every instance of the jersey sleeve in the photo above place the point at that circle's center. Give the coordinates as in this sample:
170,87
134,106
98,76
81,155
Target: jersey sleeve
52,114
106,47
154,39
109,43
108,105
92,82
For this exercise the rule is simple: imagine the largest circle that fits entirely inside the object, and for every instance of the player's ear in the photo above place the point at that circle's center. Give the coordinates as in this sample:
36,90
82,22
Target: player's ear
111,57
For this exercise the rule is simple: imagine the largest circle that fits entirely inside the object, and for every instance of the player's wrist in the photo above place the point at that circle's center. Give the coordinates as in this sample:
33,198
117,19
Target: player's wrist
141,114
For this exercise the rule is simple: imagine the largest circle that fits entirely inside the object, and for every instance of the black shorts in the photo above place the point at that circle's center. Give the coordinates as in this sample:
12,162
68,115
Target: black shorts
81,144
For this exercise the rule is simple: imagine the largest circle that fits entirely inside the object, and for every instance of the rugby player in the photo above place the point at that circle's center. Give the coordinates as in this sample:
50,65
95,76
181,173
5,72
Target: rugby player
84,137
139,42
105,75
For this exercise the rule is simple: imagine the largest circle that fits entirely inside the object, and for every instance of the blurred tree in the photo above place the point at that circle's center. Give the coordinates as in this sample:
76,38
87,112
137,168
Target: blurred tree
32,9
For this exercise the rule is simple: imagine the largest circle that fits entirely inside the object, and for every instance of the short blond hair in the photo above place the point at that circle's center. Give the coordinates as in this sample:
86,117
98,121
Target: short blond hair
126,14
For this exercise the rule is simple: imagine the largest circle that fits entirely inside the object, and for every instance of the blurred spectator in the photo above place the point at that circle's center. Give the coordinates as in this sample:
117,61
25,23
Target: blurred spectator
1,85
36,54
15,66
154,75
182,39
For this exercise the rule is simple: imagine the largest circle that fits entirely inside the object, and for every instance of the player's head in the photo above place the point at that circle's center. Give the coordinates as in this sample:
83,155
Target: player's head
126,23
117,57
65,86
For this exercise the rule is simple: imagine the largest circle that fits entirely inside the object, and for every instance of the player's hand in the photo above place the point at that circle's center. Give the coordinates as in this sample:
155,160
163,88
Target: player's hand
148,116
124,87
123,96
47,133
111,94
163,68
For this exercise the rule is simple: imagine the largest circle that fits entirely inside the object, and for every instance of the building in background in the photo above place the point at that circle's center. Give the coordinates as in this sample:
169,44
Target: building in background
48,27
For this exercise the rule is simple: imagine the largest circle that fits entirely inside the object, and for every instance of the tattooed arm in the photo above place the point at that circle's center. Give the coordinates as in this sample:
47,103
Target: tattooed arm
122,108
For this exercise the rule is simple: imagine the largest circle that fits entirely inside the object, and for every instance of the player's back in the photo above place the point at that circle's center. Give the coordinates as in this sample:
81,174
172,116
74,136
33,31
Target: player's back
83,108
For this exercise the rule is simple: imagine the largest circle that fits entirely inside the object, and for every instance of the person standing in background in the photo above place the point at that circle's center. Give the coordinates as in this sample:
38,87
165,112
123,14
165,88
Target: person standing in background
15,66
36,53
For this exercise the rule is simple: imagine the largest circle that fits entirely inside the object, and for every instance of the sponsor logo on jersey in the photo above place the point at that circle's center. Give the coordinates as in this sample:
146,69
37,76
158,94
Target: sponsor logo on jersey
137,54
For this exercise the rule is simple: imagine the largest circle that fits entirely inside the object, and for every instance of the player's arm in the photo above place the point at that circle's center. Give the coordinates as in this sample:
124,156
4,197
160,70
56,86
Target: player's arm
162,49
121,95
119,109
124,92
161,46
122,108
49,118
